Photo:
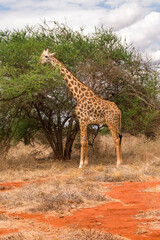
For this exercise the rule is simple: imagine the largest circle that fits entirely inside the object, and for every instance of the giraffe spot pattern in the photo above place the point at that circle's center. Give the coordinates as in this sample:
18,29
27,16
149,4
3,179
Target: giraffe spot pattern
90,109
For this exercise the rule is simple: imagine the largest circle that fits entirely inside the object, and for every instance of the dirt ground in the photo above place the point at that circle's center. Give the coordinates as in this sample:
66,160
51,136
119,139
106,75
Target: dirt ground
41,198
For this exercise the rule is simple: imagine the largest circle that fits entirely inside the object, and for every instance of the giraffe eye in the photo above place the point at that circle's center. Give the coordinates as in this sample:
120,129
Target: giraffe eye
46,56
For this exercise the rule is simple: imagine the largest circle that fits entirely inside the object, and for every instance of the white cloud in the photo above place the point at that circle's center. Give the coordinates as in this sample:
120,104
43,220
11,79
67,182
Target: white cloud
154,55
134,20
75,15
144,32
145,35
123,16
144,3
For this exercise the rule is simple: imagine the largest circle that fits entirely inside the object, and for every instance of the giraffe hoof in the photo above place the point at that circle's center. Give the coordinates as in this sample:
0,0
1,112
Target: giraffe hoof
118,164
80,166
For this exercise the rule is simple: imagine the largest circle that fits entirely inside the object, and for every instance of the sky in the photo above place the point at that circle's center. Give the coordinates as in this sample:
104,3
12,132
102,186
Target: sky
136,21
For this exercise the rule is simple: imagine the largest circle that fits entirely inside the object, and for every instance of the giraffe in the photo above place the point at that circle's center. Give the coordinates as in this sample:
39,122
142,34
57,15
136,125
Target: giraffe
90,109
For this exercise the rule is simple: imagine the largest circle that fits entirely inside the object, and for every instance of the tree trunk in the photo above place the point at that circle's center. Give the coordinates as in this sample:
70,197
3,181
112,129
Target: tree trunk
71,134
59,144
54,135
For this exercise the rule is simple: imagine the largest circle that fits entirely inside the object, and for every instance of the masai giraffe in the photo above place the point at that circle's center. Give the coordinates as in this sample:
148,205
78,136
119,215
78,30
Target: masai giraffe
90,108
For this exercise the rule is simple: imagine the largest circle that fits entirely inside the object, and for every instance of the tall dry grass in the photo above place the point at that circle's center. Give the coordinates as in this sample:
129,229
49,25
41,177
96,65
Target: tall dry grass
57,196
141,158
59,187
65,234
141,161
135,150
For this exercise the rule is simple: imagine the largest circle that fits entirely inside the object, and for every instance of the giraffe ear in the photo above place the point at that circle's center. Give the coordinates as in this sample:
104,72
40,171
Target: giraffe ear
46,50
52,54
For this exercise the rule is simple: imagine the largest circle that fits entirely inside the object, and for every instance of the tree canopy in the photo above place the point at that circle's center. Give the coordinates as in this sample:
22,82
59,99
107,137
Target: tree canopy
34,98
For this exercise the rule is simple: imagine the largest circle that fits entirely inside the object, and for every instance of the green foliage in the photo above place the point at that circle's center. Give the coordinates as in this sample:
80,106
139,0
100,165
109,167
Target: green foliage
30,83
138,117
34,96
25,130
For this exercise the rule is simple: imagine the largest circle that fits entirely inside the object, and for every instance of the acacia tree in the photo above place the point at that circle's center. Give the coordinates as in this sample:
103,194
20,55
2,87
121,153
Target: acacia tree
38,101
35,99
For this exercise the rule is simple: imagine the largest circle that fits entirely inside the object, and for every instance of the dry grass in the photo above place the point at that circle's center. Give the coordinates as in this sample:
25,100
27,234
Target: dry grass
25,236
141,161
64,234
57,195
149,215
70,187
153,189
66,188
153,217
86,234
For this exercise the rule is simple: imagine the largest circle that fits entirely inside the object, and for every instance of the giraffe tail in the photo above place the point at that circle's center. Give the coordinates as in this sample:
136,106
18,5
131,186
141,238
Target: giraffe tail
120,137
120,134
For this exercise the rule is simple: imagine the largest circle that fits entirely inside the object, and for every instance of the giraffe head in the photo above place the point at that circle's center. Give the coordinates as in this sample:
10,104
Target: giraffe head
46,57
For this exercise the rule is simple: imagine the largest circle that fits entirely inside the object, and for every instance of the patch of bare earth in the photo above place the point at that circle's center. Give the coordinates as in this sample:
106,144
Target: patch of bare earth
42,198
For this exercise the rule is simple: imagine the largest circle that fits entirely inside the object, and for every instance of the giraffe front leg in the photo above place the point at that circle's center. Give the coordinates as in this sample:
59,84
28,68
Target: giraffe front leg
86,153
83,146
82,155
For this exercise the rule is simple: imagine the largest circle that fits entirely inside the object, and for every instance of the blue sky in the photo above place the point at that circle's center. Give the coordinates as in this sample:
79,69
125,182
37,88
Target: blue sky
138,21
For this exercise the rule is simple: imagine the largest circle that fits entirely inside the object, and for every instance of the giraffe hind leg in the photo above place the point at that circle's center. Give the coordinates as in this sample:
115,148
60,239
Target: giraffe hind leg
120,138
117,138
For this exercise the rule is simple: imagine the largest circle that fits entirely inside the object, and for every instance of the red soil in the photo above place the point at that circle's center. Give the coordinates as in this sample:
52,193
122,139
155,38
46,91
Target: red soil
113,217
5,231
12,185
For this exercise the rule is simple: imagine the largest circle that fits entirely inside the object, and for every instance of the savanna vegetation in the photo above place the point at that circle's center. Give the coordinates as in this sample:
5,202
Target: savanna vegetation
35,103
38,192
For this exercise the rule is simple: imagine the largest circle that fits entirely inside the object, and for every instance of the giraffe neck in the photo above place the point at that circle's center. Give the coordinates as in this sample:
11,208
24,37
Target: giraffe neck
78,89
